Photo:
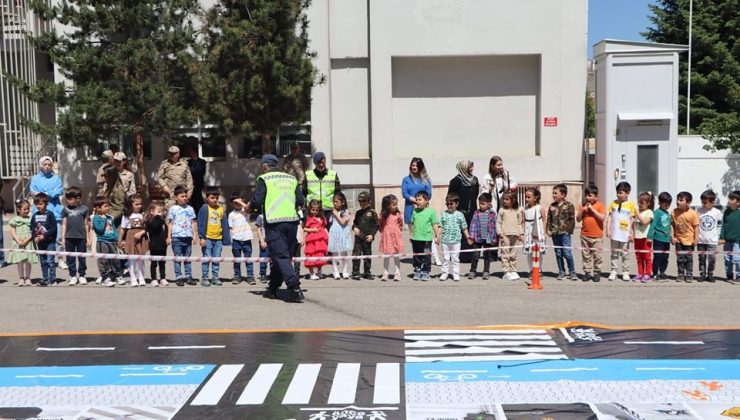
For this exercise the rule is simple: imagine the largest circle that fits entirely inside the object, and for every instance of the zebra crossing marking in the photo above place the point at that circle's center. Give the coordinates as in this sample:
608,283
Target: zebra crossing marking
260,384
300,388
217,385
344,385
479,345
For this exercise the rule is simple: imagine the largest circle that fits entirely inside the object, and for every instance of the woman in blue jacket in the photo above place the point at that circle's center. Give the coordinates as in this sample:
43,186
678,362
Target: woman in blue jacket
47,182
416,181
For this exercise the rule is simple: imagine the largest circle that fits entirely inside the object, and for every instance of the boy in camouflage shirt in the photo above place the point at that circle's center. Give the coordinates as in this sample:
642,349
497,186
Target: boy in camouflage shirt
365,226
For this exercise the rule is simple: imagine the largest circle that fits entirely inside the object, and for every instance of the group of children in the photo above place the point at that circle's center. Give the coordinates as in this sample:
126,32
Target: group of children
490,235
651,232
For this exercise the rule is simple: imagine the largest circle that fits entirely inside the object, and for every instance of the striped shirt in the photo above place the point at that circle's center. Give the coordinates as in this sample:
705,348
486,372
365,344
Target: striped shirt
239,225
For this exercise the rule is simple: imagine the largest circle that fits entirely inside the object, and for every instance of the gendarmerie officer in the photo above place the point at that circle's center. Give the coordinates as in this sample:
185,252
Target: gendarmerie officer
277,195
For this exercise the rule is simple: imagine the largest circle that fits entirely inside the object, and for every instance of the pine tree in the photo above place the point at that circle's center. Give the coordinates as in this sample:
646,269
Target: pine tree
259,71
128,65
715,72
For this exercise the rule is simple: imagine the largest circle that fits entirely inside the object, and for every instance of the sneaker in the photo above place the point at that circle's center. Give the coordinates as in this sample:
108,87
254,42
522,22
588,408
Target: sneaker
484,276
587,277
205,282
702,278
368,276
425,276
263,279
646,279
612,276
192,281
63,265
314,277
356,276
82,280
250,281
236,280
120,281
164,283
710,278
109,283
337,276
455,277
72,281
180,282
471,275
626,276
154,283
506,276
346,276
573,276
384,277
216,282
295,296
688,279
515,276
99,280
443,277
437,261
417,275
638,277
561,276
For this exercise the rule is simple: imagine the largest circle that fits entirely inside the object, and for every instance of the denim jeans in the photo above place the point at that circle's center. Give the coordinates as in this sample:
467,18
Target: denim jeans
212,249
563,255
48,262
182,247
732,262
238,249
76,245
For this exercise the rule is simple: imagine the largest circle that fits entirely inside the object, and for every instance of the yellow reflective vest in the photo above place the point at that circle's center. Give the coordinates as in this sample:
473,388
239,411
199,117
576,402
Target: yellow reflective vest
280,197
321,189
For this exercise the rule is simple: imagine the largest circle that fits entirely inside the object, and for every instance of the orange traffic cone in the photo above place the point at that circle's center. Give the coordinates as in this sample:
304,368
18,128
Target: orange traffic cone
535,268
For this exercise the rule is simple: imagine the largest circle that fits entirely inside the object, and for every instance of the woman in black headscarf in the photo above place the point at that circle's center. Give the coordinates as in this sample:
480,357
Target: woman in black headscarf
465,185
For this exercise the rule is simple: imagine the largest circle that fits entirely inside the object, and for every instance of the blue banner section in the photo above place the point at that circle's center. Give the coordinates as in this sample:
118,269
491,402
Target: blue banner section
574,370
104,375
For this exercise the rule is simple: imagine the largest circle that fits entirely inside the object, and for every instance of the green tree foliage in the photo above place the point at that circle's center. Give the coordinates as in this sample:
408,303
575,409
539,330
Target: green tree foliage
127,63
258,68
715,72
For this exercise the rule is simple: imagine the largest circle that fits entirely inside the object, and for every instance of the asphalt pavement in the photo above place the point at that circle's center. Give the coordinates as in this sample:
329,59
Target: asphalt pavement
364,303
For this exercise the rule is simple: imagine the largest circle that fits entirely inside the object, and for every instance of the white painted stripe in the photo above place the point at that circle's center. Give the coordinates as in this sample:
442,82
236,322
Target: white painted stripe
675,343
349,407
48,376
387,383
416,344
530,356
564,370
505,332
259,386
668,368
216,387
155,374
483,350
566,335
477,337
75,349
300,388
500,415
454,371
344,385
186,347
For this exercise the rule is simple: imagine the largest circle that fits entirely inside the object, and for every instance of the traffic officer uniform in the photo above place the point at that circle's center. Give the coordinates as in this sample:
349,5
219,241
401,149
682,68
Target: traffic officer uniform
171,175
277,195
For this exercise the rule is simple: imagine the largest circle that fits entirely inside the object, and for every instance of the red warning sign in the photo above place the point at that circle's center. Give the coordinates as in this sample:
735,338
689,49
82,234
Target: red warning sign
551,121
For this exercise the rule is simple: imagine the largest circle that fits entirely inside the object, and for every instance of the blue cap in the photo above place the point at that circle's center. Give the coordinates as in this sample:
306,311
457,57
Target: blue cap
318,157
270,159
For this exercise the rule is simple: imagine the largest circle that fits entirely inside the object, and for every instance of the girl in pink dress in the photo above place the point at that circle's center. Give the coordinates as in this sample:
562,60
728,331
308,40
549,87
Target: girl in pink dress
391,239
316,240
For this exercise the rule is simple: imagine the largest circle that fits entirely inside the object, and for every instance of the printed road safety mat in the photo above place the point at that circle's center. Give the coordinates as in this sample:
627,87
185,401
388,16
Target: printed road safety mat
568,371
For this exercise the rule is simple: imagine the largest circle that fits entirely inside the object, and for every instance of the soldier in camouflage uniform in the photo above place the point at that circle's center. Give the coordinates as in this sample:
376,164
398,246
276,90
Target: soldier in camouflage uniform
173,172
127,177
100,176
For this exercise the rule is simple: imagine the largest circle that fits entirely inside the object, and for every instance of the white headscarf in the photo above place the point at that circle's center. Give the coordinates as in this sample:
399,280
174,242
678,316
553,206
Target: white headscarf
44,159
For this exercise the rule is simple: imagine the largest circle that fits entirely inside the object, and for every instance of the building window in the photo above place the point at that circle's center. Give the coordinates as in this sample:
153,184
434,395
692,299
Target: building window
212,145
287,135
128,146
94,152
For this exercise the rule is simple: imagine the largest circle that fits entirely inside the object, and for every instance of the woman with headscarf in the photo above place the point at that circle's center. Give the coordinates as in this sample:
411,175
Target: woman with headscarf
116,193
466,186
47,182
497,181
417,180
